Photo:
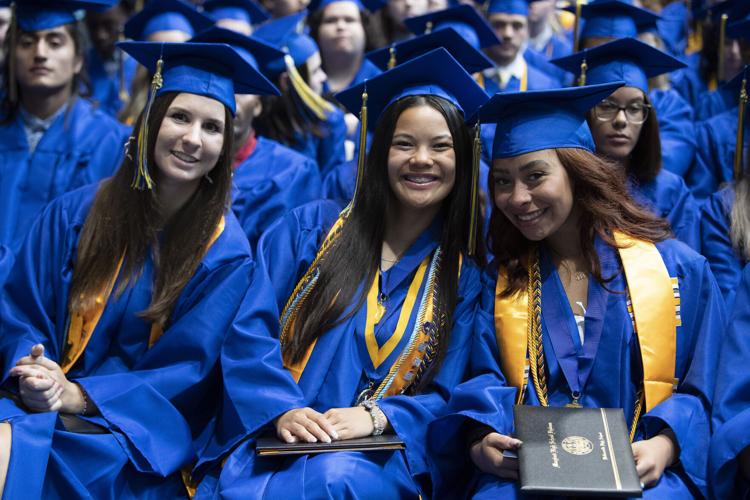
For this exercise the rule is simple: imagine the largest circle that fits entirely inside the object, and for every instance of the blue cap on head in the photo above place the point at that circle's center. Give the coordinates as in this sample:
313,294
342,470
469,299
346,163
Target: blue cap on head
369,5
166,15
614,19
464,19
287,33
470,58
543,119
247,11
434,73
208,69
627,59
520,7
256,52
36,15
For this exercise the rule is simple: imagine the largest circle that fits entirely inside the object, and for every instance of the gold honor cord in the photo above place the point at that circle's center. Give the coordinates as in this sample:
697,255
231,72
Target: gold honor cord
722,41
82,324
319,106
525,76
739,148
142,179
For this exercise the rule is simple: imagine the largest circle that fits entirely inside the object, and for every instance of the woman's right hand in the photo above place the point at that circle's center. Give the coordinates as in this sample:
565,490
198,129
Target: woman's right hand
487,455
305,424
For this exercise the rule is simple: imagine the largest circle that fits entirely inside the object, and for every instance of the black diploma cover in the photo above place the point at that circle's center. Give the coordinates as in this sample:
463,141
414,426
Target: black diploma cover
273,446
575,451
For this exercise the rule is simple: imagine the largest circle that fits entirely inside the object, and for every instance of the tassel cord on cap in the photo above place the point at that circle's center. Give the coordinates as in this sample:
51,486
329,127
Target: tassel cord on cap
722,41
142,179
392,58
740,144
577,27
361,155
582,78
319,106
474,207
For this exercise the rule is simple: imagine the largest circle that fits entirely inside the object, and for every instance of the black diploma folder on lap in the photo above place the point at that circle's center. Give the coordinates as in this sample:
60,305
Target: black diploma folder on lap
575,451
271,445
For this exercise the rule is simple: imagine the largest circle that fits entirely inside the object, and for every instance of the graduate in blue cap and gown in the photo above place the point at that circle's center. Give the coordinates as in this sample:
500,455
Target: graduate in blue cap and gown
110,71
547,37
51,141
300,118
626,130
377,358
116,309
269,179
729,461
628,318
236,15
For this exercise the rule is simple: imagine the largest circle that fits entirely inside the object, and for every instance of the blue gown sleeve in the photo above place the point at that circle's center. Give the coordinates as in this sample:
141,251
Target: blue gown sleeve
331,149
716,244
410,415
340,182
6,263
676,130
687,412
731,411
706,174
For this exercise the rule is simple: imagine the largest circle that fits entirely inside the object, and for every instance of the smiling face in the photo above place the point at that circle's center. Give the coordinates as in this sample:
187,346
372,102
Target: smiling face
421,159
341,29
616,138
534,192
46,61
190,140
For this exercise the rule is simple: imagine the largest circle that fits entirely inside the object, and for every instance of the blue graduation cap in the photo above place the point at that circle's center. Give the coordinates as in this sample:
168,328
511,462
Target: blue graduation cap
520,7
247,11
35,15
369,5
472,60
626,59
212,70
543,119
614,19
464,19
287,33
166,15
258,53
739,29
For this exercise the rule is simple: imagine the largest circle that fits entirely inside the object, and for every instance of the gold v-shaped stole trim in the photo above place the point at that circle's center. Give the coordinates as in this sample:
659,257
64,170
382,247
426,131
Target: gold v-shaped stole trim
525,78
83,324
379,354
653,299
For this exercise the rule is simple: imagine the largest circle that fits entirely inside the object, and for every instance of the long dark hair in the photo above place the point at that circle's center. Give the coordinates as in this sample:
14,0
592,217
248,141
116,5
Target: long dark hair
124,221
80,85
354,258
605,205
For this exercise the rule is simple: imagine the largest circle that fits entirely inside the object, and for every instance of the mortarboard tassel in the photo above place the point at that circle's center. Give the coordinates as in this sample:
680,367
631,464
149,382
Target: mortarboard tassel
12,29
392,58
123,91
582,78
427,28
474,208
142,179
362,145
319,106
722,40
740,144
577,27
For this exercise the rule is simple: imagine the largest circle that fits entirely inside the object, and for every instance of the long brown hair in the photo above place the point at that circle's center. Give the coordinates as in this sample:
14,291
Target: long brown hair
127,222
605,205
354,257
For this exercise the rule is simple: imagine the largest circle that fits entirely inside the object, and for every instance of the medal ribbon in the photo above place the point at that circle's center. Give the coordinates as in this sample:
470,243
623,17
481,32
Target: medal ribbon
83,323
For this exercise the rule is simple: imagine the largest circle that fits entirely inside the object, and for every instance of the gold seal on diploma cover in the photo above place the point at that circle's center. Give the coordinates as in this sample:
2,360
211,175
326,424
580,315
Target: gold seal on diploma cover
577,445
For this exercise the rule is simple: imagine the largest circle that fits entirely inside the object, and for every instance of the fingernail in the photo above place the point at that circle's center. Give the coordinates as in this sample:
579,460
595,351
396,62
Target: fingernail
327,439
335,435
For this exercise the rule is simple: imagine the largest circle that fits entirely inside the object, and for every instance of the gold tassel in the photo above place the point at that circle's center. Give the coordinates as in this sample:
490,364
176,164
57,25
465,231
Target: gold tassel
474,209
722,40
582,78
392,58
577,27
479,78
319,106
362,145
123,91
740,144
142,179
12,29
428,28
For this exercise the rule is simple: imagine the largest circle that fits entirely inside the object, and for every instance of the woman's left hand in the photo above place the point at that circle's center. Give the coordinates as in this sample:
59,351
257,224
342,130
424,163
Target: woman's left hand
61,395
652,456
350,423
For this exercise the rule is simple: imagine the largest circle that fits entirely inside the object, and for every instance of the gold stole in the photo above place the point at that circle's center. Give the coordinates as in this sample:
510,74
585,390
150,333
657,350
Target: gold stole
525,78
653,300
83,323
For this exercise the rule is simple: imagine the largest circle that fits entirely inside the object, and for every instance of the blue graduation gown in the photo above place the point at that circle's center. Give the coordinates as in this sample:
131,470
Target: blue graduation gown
153,401
105,88
340,368
615,372
714,159
667,196
541,61
273,180
676,130
716,243
329,150
689,83
711,103
6,263
82,146
731,410
672,27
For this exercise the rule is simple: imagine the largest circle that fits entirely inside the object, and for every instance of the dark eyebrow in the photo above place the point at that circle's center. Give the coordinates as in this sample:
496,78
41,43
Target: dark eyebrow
535,164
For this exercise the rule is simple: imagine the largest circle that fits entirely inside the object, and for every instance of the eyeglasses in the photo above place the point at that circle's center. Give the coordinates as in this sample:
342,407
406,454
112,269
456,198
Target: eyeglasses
635,113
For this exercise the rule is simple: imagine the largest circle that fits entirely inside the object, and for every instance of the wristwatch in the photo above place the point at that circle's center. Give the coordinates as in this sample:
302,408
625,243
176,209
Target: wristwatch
379,421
